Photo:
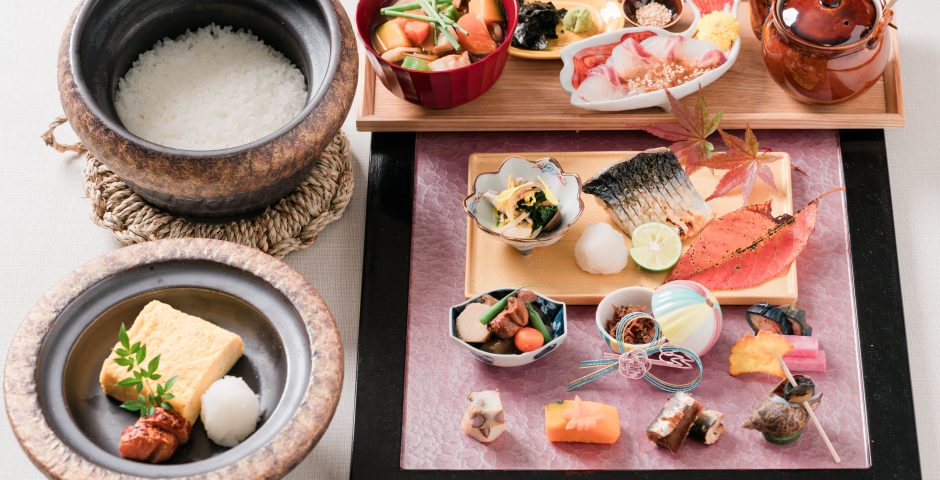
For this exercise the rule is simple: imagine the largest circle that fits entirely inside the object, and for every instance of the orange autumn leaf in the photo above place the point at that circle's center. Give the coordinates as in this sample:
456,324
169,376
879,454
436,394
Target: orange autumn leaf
758,354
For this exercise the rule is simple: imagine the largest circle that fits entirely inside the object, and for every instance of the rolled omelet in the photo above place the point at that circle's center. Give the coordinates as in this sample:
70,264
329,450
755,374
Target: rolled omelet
194,350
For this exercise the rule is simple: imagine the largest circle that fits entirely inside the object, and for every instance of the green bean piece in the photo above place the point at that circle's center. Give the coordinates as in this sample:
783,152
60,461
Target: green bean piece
497,307
536,320
451,12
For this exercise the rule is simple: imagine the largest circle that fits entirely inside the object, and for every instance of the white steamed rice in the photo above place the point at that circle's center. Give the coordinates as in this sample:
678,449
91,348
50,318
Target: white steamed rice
230,411
209,89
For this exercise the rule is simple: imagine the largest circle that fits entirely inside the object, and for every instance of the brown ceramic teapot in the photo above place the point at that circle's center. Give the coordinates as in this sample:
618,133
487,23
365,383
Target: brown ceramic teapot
826,51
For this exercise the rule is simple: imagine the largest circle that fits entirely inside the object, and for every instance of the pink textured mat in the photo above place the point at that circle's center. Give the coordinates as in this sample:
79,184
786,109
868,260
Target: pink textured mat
439,374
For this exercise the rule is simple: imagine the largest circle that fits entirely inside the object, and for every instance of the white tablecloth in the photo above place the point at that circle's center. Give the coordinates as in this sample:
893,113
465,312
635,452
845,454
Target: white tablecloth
47,231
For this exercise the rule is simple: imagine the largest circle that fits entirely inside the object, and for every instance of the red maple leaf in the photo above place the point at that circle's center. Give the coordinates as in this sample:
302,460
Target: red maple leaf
747,247
691,134
744,162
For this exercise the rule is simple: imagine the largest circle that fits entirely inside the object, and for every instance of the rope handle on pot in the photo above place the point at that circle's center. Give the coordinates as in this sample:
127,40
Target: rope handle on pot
49,137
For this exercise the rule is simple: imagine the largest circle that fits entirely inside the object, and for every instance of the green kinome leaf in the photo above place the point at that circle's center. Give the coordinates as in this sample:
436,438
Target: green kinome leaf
132,405
128,382
152,366
122,337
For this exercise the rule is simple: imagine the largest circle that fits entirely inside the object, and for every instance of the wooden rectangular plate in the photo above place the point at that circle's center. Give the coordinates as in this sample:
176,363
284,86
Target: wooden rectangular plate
552,271
529,96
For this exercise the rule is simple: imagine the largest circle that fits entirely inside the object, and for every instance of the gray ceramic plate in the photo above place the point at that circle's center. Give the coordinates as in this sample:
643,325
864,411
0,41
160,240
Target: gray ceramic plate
293,359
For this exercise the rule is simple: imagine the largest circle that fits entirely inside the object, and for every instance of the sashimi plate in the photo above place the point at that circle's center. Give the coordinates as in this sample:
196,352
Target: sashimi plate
552,270
606,16
592,58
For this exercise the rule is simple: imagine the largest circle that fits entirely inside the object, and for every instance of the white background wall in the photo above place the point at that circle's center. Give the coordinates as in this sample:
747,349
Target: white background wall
45,230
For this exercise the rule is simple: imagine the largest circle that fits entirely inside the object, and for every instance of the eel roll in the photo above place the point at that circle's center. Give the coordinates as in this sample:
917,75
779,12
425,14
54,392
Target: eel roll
672,425
707,427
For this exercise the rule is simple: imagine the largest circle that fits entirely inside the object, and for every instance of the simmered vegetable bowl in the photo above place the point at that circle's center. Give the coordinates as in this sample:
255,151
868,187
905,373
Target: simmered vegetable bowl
509,328
438,35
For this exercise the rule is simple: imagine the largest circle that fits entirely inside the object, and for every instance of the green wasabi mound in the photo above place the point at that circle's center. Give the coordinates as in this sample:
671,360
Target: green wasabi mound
578,20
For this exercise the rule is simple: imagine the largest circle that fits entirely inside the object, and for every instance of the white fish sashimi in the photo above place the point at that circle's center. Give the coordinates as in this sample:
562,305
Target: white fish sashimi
630,59
672,45
712,59
602,83
674,48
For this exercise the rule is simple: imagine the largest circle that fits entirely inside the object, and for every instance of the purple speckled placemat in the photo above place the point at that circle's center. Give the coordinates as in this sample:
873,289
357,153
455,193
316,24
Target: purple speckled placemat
439,374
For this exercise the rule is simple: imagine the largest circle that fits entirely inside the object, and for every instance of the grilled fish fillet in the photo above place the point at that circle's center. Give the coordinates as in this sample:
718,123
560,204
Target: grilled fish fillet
651,187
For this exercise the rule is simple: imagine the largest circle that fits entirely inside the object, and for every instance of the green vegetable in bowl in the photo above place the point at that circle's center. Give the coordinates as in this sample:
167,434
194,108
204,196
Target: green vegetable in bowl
536,321
525,209
415,63
450,11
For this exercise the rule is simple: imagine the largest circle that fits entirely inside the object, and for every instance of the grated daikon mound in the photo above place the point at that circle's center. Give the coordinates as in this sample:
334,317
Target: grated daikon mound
209,89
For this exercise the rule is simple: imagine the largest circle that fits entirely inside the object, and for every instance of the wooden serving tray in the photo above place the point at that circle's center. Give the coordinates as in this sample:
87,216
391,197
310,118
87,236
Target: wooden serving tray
552,271
529,96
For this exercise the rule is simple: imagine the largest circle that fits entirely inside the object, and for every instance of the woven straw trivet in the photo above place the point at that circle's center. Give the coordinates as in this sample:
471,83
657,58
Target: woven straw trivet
290,224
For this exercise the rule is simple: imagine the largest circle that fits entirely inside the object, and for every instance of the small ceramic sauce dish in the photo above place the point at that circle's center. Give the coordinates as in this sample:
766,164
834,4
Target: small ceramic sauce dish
553,314
566,187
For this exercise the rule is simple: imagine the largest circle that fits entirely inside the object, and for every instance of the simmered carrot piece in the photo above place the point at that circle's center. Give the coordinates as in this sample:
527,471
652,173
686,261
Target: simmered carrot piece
417,31
486,10
477,40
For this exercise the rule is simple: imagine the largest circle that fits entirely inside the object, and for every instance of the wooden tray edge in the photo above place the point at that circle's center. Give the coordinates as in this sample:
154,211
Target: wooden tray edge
893,117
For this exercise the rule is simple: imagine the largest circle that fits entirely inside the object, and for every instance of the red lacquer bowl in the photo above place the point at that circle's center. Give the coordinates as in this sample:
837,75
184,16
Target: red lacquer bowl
445,89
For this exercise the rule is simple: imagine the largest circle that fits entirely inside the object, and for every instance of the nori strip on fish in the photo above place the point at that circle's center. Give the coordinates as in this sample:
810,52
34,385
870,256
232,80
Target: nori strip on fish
536,25
651,187
707,427
784,320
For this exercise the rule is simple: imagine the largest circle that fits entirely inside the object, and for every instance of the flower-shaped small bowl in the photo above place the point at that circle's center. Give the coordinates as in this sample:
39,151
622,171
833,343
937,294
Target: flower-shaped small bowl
565,186
625,296
553,313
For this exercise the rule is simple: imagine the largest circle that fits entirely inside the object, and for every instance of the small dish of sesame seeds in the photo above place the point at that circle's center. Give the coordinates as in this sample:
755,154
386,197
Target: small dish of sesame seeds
653,13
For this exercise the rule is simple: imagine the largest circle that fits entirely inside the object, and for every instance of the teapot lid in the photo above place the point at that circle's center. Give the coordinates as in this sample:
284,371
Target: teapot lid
830,22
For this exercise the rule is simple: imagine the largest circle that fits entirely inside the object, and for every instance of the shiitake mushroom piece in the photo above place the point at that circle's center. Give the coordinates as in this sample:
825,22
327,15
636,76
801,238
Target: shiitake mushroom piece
500,346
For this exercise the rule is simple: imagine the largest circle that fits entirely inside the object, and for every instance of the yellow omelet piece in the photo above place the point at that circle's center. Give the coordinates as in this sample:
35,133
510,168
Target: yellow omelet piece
194,350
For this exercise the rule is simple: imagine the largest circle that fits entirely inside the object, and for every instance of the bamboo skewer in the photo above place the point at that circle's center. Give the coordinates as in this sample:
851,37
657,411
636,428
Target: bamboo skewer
812,414
889,6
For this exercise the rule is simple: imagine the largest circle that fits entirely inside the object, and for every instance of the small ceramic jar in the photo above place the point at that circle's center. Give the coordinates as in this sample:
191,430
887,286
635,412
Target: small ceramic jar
826,51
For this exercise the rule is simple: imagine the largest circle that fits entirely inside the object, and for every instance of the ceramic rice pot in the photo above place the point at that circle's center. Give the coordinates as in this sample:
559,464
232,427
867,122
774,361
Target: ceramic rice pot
104,37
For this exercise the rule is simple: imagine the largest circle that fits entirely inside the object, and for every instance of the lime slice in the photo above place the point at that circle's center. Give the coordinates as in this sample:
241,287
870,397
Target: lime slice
656,247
